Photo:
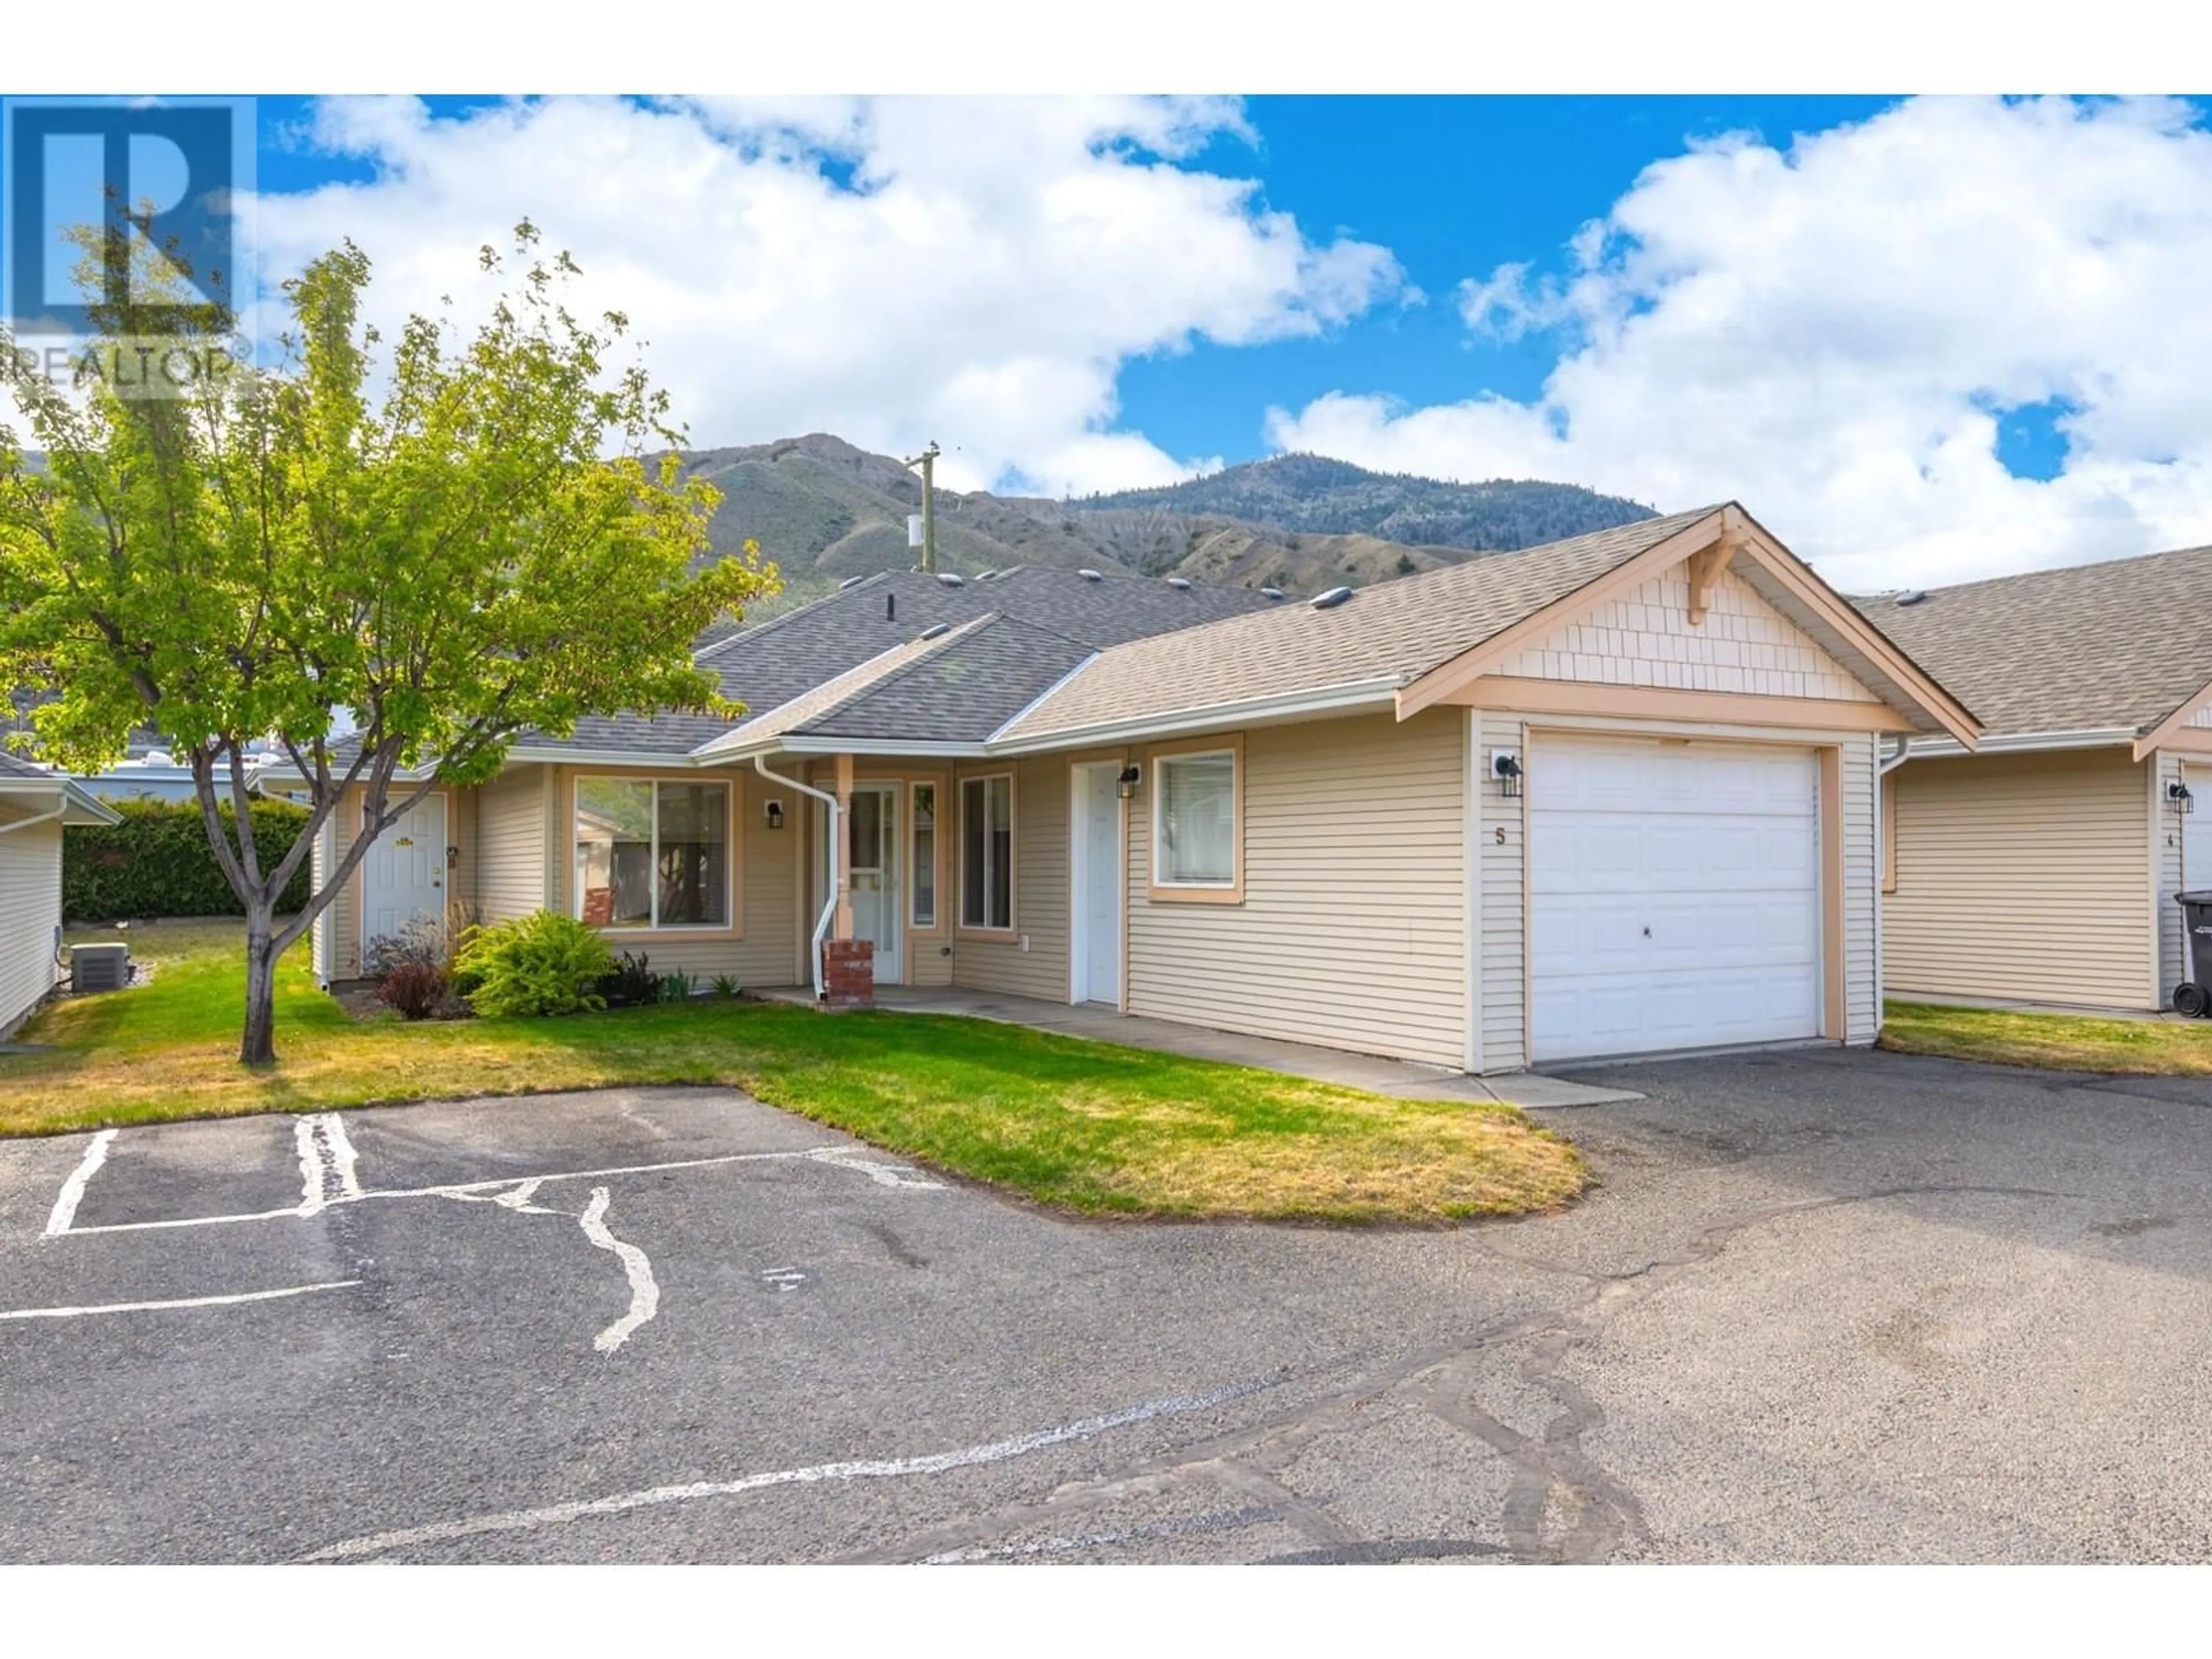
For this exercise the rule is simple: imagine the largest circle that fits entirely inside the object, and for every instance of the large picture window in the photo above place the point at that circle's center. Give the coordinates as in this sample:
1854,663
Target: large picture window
652,854
987,852
1194,821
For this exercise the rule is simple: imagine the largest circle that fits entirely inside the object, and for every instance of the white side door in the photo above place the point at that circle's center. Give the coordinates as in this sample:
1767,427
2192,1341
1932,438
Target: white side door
872,841
1095,857
1674,896
404,873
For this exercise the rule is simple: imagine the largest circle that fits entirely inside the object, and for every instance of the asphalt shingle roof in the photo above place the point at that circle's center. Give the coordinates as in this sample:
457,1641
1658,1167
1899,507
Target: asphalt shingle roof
2092,647
12,765
1396,629
769,665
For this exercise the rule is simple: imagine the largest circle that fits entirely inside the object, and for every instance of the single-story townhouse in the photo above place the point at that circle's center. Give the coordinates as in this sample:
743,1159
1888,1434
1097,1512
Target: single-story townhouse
34,805
1612,795
2042,867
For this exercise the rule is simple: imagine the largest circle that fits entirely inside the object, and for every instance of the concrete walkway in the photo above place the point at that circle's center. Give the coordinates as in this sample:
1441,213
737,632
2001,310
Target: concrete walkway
1100,1023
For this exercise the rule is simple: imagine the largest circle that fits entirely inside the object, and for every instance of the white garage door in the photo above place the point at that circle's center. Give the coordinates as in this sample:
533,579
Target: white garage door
1675,895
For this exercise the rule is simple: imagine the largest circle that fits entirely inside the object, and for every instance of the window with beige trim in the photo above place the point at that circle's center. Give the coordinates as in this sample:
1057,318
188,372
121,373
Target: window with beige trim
652,855
1195,820
987,852
923,818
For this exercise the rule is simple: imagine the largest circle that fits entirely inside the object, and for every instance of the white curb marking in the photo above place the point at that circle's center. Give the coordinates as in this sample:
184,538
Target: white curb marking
997,1451
72,1192
644,1294
182,1302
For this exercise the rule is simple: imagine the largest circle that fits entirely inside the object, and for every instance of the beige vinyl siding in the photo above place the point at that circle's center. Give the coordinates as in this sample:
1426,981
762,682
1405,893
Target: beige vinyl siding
322,858
344,912
983,962
1503,902
30,910
2169,828
2023,877
510,867
1861,888
1352,929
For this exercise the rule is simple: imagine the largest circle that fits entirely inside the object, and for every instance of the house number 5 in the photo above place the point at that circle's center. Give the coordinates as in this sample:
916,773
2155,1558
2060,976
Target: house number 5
1501,835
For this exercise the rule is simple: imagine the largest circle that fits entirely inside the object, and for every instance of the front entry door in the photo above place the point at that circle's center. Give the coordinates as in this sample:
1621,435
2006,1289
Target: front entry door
1097,856
406,871
872,843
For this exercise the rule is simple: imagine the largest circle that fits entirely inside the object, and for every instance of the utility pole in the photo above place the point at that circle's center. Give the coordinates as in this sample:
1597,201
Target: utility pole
927,462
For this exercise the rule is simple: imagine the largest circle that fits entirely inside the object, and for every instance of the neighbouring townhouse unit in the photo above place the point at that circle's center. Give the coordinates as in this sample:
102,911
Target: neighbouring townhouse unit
34,805
1614,795
2042,868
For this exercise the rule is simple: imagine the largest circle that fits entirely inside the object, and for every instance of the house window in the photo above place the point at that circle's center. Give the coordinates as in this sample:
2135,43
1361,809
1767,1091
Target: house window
652,854
987,852
1195,820
925,854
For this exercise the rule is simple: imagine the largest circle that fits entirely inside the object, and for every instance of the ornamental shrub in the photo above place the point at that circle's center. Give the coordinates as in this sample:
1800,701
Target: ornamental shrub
157,862
528,967
415,989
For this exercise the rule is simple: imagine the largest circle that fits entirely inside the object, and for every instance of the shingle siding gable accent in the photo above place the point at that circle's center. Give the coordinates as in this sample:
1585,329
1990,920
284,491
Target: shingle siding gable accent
1645,638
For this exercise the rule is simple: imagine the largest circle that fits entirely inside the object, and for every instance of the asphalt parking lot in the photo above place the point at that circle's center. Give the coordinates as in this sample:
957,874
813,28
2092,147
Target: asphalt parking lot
1825,1306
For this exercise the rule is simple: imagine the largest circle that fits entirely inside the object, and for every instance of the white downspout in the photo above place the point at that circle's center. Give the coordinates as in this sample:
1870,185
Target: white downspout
830,900
1881,771
26,823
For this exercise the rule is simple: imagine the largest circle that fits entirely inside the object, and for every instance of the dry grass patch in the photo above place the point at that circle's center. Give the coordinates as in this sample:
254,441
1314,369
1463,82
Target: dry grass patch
2065,1042
1085,1126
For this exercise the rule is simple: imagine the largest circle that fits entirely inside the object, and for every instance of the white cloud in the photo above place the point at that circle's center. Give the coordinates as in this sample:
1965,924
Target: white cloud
1827,331
974,270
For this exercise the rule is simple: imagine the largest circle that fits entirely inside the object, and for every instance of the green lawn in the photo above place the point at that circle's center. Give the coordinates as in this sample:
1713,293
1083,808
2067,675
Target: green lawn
1090,1127
2066,1043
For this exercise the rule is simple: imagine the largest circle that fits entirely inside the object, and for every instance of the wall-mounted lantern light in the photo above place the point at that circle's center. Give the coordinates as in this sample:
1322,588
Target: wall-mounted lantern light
2182,799
1506,767
775,815
1126,785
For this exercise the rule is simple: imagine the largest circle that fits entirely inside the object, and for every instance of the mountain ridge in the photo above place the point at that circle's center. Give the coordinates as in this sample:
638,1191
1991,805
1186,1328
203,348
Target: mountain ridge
822,509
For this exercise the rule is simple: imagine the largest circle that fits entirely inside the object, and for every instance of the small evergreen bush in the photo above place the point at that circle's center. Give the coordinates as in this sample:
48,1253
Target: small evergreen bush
530,967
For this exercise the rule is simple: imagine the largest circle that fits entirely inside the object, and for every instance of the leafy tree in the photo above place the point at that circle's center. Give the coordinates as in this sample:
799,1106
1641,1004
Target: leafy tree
449,550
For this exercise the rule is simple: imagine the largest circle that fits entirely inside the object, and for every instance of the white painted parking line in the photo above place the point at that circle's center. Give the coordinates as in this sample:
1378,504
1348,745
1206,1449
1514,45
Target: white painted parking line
838,1158
327,1163
996,1451
181,1302
644,1293
72,1192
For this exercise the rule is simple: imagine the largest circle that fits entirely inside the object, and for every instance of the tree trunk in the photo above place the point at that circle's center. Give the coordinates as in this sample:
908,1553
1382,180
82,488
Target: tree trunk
259,1045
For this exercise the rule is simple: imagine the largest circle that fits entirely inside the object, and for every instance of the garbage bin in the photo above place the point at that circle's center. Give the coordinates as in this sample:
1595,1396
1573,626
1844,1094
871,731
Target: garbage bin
2193,996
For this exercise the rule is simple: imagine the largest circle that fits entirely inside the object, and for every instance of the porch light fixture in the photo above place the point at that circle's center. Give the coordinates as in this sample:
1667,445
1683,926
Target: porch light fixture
775,815
1506,767
1126,785
2182,799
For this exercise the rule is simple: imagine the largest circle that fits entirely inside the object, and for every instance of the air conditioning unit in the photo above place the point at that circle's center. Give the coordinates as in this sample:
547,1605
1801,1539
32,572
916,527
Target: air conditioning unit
99,967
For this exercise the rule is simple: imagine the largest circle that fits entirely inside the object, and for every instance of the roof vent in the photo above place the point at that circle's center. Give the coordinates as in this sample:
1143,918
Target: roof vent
936,630
1271,593
952,579
1183,582
850,581
1091,575
1910,596
1330,600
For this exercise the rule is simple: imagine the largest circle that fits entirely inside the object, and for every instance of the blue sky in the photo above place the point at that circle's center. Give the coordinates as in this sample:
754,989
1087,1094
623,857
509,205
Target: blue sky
1925,339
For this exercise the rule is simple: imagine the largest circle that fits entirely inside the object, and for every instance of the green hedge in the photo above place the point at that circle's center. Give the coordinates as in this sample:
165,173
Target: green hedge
157,862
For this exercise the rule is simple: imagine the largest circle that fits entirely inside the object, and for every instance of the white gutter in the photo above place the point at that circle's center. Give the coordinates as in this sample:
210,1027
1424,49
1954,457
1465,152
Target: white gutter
829,901
1381,692
2025,743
